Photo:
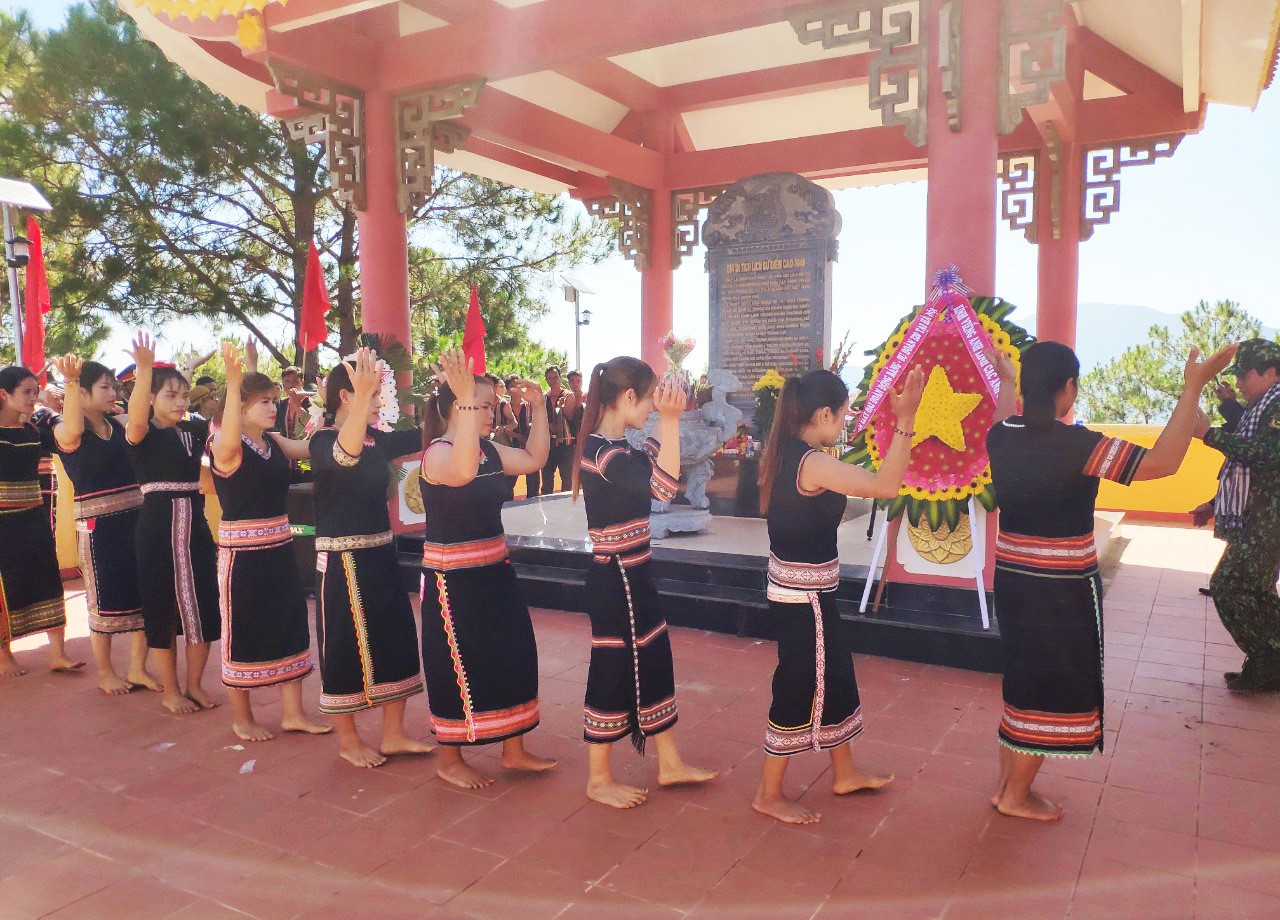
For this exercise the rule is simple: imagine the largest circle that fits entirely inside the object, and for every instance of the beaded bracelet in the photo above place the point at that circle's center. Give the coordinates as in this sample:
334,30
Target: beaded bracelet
905,434
468,408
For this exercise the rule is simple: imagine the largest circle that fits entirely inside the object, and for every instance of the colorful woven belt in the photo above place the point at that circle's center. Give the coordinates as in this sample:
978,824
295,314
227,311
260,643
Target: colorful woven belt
352,542
254,534
105,503
19,496
445,557
804,576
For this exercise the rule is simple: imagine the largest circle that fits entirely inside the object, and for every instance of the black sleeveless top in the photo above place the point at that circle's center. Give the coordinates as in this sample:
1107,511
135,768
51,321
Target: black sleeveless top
465,514
351,493
167,460
618,483
802,525
99,464
258,489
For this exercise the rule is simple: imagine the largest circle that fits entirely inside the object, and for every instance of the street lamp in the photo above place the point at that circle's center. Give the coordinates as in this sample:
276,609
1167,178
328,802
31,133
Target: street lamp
573,291
19,252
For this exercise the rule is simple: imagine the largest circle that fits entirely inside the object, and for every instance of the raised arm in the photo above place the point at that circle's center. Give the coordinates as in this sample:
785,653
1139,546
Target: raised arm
1188,420
291,447
138,422
669,400
825,472
366,381
1007,403
228,449
69,432
456,464
520,461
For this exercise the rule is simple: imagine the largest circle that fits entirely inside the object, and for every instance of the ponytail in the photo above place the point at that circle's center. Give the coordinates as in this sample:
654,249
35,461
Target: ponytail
1047,367
608,382
800,398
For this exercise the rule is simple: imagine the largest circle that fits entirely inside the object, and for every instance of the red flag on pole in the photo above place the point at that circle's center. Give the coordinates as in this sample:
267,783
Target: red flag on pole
473,336
315,304
36,305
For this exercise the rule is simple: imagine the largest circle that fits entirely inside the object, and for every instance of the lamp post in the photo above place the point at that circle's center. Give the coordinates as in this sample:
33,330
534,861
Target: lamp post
17,193
573,291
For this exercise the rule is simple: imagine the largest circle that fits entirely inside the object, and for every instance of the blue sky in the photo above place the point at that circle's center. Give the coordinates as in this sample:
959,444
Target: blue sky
1204,224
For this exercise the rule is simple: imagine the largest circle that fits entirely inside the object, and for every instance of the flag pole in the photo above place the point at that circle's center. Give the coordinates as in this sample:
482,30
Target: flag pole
14,304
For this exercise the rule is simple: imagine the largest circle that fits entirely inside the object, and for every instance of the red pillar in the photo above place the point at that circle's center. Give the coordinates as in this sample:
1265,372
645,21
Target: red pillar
1058,262
961,215
656,283
384,241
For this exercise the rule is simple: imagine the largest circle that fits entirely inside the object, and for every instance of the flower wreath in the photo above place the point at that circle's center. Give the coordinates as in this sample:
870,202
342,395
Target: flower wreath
388,401
940,479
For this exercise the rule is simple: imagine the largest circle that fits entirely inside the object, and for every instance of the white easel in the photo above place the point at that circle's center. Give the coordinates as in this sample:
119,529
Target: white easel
979,554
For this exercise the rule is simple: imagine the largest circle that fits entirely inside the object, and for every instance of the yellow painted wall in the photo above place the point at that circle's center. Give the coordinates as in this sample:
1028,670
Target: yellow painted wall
1194,483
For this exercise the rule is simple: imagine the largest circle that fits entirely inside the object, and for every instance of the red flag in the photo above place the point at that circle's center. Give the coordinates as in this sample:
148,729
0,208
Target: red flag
312,331
473,337
36,305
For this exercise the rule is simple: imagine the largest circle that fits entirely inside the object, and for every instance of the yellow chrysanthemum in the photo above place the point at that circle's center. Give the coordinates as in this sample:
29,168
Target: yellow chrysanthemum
770,379
208,9
249,32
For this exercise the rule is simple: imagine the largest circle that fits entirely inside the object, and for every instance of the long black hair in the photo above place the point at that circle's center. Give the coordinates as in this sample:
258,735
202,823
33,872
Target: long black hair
91,372
440,407
1046,368
801,397
609,381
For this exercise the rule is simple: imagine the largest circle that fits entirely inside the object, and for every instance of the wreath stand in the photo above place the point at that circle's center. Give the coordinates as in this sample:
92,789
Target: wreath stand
979,553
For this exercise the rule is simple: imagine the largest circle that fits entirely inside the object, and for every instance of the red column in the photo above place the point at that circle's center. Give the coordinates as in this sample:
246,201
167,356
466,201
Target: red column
961,212
656,283
1059,260
384,242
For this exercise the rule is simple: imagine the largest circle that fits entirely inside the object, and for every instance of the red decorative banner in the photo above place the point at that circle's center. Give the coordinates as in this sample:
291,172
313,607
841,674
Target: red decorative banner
978,344
917,333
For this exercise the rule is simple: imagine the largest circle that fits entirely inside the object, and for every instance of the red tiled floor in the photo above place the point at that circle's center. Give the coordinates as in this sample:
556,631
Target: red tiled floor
113,808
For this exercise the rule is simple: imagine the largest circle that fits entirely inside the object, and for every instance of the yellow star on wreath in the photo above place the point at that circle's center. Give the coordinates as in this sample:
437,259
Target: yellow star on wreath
942,410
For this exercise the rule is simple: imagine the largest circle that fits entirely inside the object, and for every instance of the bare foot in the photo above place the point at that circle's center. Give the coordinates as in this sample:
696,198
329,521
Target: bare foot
179,705
1036,807
144,680
251,731
405,746
114,685
9,666
463,776
859,781
616,795
361,756
684,775
304,725
526,762
63,664
202,699
784,810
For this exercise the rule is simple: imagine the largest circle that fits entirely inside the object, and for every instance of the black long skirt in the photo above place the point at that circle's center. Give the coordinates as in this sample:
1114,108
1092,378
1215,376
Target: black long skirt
815,693
1051,629
265,636
631,687
108,557
30,584
478,654
177,570
367,638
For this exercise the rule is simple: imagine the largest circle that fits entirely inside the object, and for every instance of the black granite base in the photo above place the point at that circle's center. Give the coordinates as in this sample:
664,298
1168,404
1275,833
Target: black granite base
725,593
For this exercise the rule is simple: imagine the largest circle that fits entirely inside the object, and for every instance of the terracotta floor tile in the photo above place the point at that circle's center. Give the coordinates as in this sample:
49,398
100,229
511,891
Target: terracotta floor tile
1235,866
979,897
1168,813
1143,847
790,855
500,828
587,855
1218,902
133,896
667,876
435,870
283,888
1245,827
517,889
750,895
55,884
370,900
604,904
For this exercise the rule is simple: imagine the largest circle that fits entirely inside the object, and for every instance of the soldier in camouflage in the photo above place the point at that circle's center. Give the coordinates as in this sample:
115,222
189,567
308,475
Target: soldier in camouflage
1247,516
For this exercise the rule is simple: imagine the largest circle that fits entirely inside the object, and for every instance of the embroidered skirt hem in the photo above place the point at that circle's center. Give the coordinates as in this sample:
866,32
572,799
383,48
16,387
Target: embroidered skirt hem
30,585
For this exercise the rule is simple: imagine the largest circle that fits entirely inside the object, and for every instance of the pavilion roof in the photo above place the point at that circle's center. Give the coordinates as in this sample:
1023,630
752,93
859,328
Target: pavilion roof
680,94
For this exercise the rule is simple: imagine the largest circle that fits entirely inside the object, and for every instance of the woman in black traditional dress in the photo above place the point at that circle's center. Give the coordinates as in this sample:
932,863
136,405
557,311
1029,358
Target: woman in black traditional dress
30,583
631,681
803,492
107,504
478,650
1048,591
177,561
364,623
265,639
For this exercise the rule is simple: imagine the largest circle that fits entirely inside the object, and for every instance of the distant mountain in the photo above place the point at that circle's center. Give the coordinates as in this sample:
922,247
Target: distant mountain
1105,330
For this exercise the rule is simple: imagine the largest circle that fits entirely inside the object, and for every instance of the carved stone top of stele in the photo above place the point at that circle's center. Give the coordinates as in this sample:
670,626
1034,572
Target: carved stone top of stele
771,207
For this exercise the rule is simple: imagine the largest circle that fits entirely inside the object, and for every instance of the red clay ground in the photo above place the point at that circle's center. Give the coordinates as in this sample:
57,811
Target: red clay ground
111,808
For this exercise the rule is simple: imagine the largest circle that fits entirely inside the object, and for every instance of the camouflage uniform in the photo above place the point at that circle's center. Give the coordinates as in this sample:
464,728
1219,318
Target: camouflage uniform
1244,583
